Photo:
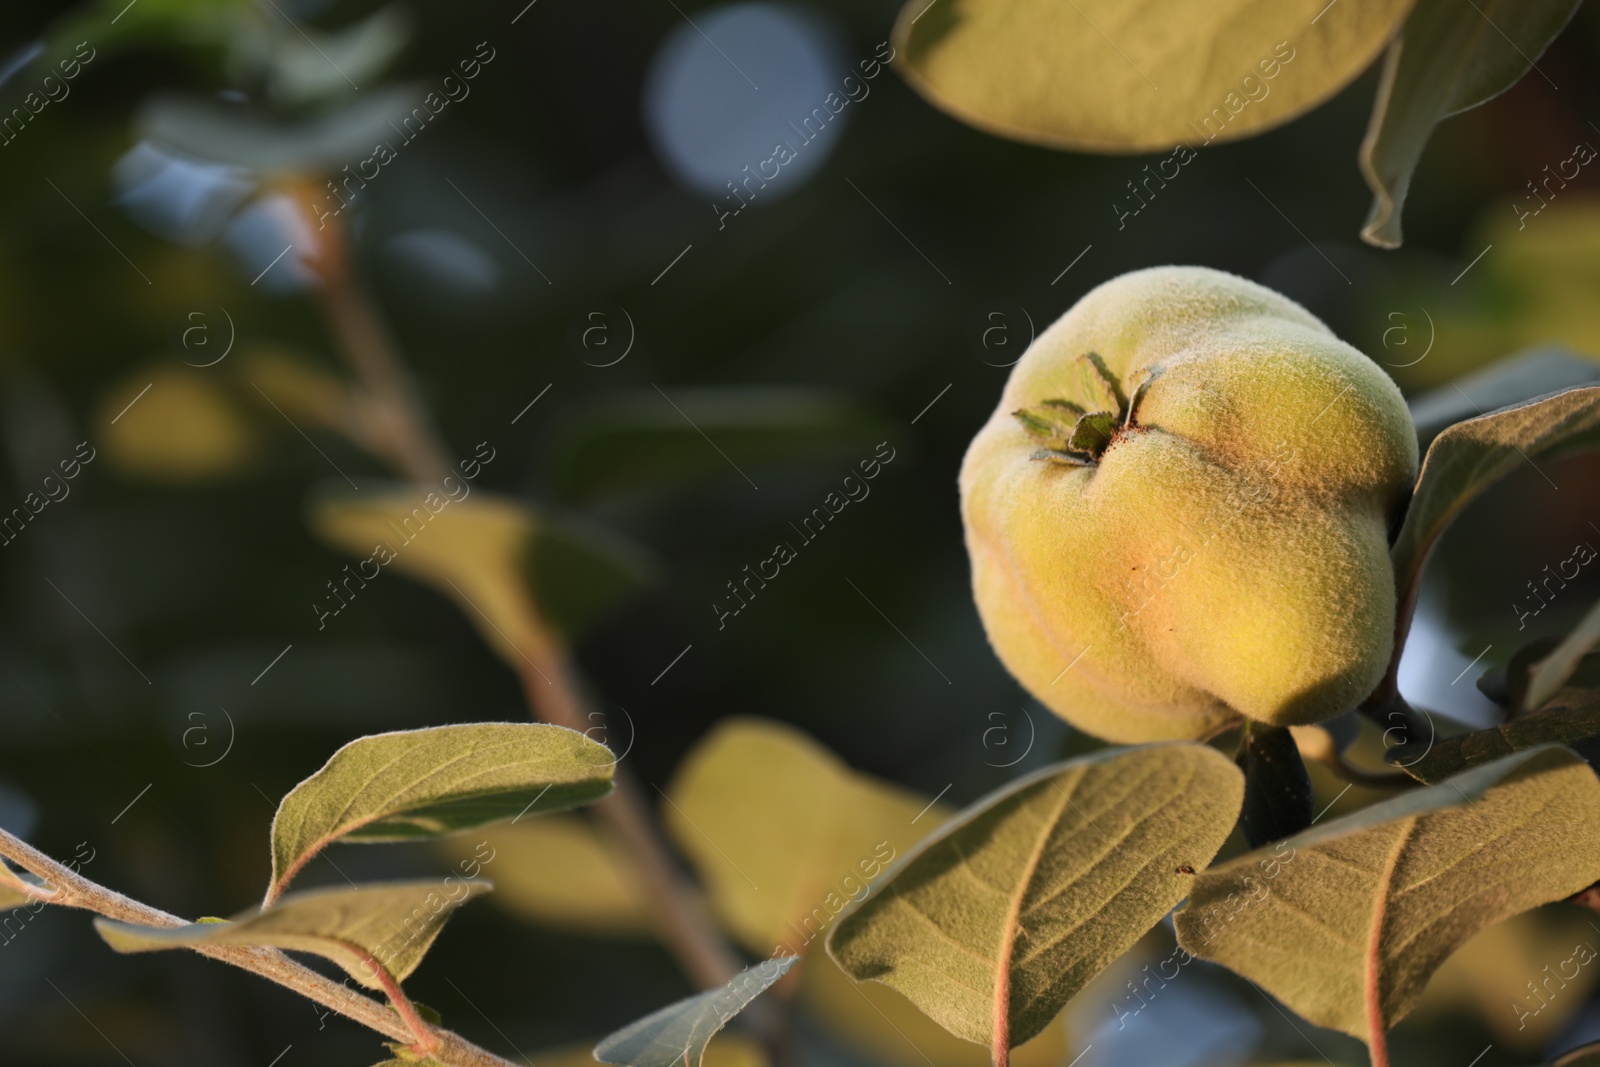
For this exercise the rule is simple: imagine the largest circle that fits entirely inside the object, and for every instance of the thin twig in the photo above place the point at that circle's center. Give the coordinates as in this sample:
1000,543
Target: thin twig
680,917
75,891
406,434
678,912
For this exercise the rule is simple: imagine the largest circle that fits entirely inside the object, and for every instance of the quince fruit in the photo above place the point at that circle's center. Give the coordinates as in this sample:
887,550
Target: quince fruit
1179,513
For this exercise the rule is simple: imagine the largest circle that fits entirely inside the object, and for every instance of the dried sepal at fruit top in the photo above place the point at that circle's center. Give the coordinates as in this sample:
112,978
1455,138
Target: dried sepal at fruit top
1073,435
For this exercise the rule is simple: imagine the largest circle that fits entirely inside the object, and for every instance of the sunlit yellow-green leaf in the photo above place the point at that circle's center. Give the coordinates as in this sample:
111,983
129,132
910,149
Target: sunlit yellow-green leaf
1552,948
515,572
1346,922
677,1035
426,783
1450,56
992,923
783,833
560,872
800,823
391,925
1137,75
281,380
18,887
176,424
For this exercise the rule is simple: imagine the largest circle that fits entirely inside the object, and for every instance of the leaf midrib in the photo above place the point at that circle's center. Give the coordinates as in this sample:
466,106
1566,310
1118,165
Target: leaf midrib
1000,1022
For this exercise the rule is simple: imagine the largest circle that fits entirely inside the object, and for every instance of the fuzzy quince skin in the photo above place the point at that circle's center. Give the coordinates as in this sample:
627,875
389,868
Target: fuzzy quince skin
1214,542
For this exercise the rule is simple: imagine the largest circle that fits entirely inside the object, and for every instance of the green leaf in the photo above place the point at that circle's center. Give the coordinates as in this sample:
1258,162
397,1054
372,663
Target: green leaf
15,887
435,781
393,925
1114,76
259,141
1093,432
1450,56
1100,381
1512,380
782,832
188,428
677,435
514,569
1546,677
992,923
560,872
1277,790
1467,458
11,892
1575,722
1045,423
1363,909
677,1035
310,65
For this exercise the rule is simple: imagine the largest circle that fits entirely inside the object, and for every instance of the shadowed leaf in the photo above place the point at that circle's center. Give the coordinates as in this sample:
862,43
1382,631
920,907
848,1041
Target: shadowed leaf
677,1035
1120,76
659,439
1546,677
995,921
1467,458
1348,928
1277,790
393,925
1449,57
425,783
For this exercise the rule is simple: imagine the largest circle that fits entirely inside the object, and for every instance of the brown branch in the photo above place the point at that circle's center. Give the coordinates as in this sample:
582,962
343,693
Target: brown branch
403,432
678,913
406,437
75,891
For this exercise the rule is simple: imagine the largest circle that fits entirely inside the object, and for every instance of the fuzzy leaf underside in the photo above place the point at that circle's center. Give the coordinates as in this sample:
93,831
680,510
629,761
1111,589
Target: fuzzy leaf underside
1039,886
395,924
1377,900
1573,720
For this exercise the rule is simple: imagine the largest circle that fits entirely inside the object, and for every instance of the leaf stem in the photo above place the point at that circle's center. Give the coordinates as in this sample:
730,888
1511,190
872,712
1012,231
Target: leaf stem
75,891
427,1040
